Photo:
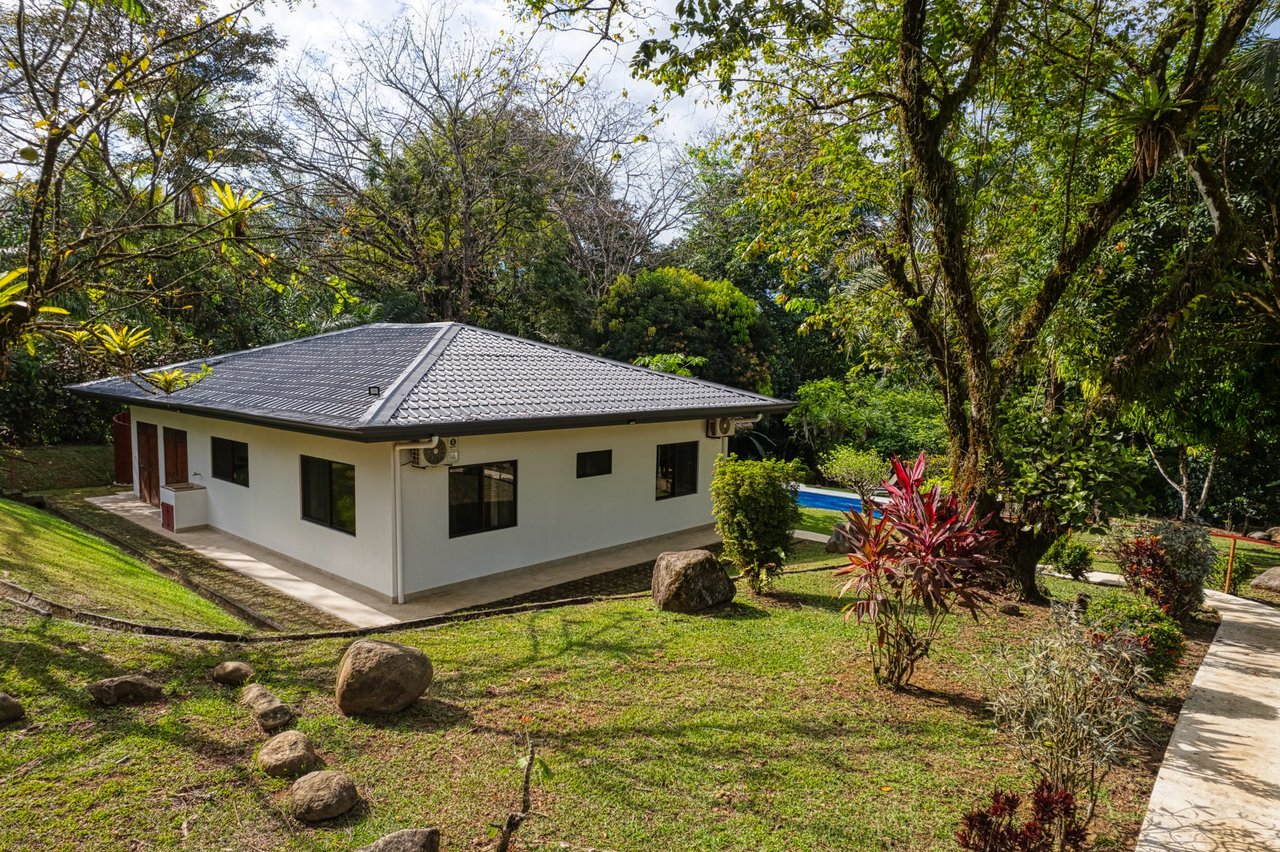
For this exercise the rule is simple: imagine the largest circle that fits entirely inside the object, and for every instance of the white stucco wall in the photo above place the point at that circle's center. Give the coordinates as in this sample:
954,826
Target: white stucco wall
557,514
269,511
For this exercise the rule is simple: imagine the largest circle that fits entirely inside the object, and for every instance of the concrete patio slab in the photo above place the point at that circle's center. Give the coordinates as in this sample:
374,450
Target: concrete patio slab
364,608
1219,785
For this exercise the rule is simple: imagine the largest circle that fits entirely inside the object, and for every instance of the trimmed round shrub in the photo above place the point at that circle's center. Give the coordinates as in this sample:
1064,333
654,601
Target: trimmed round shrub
1167,561
1070,557
1158,635
754,504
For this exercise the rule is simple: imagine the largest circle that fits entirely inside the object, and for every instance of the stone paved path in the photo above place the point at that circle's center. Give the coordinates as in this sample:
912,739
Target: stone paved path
1219,785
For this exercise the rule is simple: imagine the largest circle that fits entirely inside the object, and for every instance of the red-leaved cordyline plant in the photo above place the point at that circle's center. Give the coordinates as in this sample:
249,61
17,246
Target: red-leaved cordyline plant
1053,826
911,566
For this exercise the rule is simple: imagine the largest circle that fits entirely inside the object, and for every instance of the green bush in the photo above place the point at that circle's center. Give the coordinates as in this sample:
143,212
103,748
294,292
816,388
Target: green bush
1069,557
1167,561
1067,700
861,470
1158,635
754,503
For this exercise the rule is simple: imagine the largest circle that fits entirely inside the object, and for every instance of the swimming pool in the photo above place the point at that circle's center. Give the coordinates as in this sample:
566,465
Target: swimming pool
820,498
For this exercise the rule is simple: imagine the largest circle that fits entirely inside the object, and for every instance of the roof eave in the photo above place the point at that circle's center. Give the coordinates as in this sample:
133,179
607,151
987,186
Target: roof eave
371,433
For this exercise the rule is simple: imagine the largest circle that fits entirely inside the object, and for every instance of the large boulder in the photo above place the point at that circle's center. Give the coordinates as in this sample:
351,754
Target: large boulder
840,541
407,840
269,712
231,673
378,677
690,581
1260,536
1268,581
322,795
125,689
1274,534
10,709
290,753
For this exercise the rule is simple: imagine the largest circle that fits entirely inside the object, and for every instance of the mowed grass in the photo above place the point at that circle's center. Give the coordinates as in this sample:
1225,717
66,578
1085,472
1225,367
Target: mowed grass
819,520
57,560
755,727
68,466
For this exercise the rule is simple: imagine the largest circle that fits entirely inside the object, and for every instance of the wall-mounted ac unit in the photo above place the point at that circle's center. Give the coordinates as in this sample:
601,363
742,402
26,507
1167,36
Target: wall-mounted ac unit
721,427
446,449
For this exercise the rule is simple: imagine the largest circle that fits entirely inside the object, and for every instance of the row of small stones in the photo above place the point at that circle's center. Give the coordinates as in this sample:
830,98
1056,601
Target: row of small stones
315,796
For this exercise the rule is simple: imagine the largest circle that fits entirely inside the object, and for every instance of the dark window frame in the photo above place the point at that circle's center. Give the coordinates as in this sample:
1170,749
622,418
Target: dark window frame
460,470
683,481
330,517
238,465
589,463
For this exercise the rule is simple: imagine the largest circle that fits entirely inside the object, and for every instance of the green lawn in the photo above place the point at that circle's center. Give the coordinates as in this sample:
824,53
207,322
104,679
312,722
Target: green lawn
55,559
753,728
44,468
819,520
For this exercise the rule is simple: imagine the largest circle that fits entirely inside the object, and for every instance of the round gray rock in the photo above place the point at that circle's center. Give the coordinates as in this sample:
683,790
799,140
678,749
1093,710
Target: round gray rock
377,677
407,840
125,689
841,540
10,709
1268,580
322,795
690,581
290,753
231,673
268,711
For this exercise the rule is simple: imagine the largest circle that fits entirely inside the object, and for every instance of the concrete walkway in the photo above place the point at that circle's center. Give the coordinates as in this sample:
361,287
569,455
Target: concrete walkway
1219,785
362,607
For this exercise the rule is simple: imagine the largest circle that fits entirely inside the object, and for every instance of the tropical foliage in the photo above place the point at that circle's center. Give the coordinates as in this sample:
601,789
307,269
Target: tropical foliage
670,310
1067,700
924,557
1167,561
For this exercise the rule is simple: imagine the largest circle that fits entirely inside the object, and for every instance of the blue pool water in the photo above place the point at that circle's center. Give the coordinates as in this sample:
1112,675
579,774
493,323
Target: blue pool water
820,500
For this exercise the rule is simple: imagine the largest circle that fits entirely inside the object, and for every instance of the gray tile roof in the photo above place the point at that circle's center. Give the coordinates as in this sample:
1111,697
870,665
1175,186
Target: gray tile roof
433,379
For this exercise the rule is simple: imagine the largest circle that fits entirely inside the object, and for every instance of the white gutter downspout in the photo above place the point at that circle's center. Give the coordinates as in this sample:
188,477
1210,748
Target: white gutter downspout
397,560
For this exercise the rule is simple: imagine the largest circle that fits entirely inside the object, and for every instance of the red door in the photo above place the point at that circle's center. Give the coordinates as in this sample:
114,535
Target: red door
148,463
175,455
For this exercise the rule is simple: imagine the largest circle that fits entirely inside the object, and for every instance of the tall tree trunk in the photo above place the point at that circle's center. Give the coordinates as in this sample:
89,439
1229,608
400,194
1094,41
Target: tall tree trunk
1208,479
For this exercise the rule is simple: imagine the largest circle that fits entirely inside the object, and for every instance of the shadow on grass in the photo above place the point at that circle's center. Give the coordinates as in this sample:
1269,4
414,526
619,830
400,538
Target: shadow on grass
427,716
733,611
975,708
810,600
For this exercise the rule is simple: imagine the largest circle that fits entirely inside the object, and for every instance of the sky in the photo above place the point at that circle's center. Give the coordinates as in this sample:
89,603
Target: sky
323,25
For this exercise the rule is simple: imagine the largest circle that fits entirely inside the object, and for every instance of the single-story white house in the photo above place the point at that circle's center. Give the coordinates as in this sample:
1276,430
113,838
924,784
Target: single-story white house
409,457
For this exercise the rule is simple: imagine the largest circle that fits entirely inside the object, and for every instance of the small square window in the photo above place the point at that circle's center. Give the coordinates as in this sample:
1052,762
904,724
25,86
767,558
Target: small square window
595,463
230,461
